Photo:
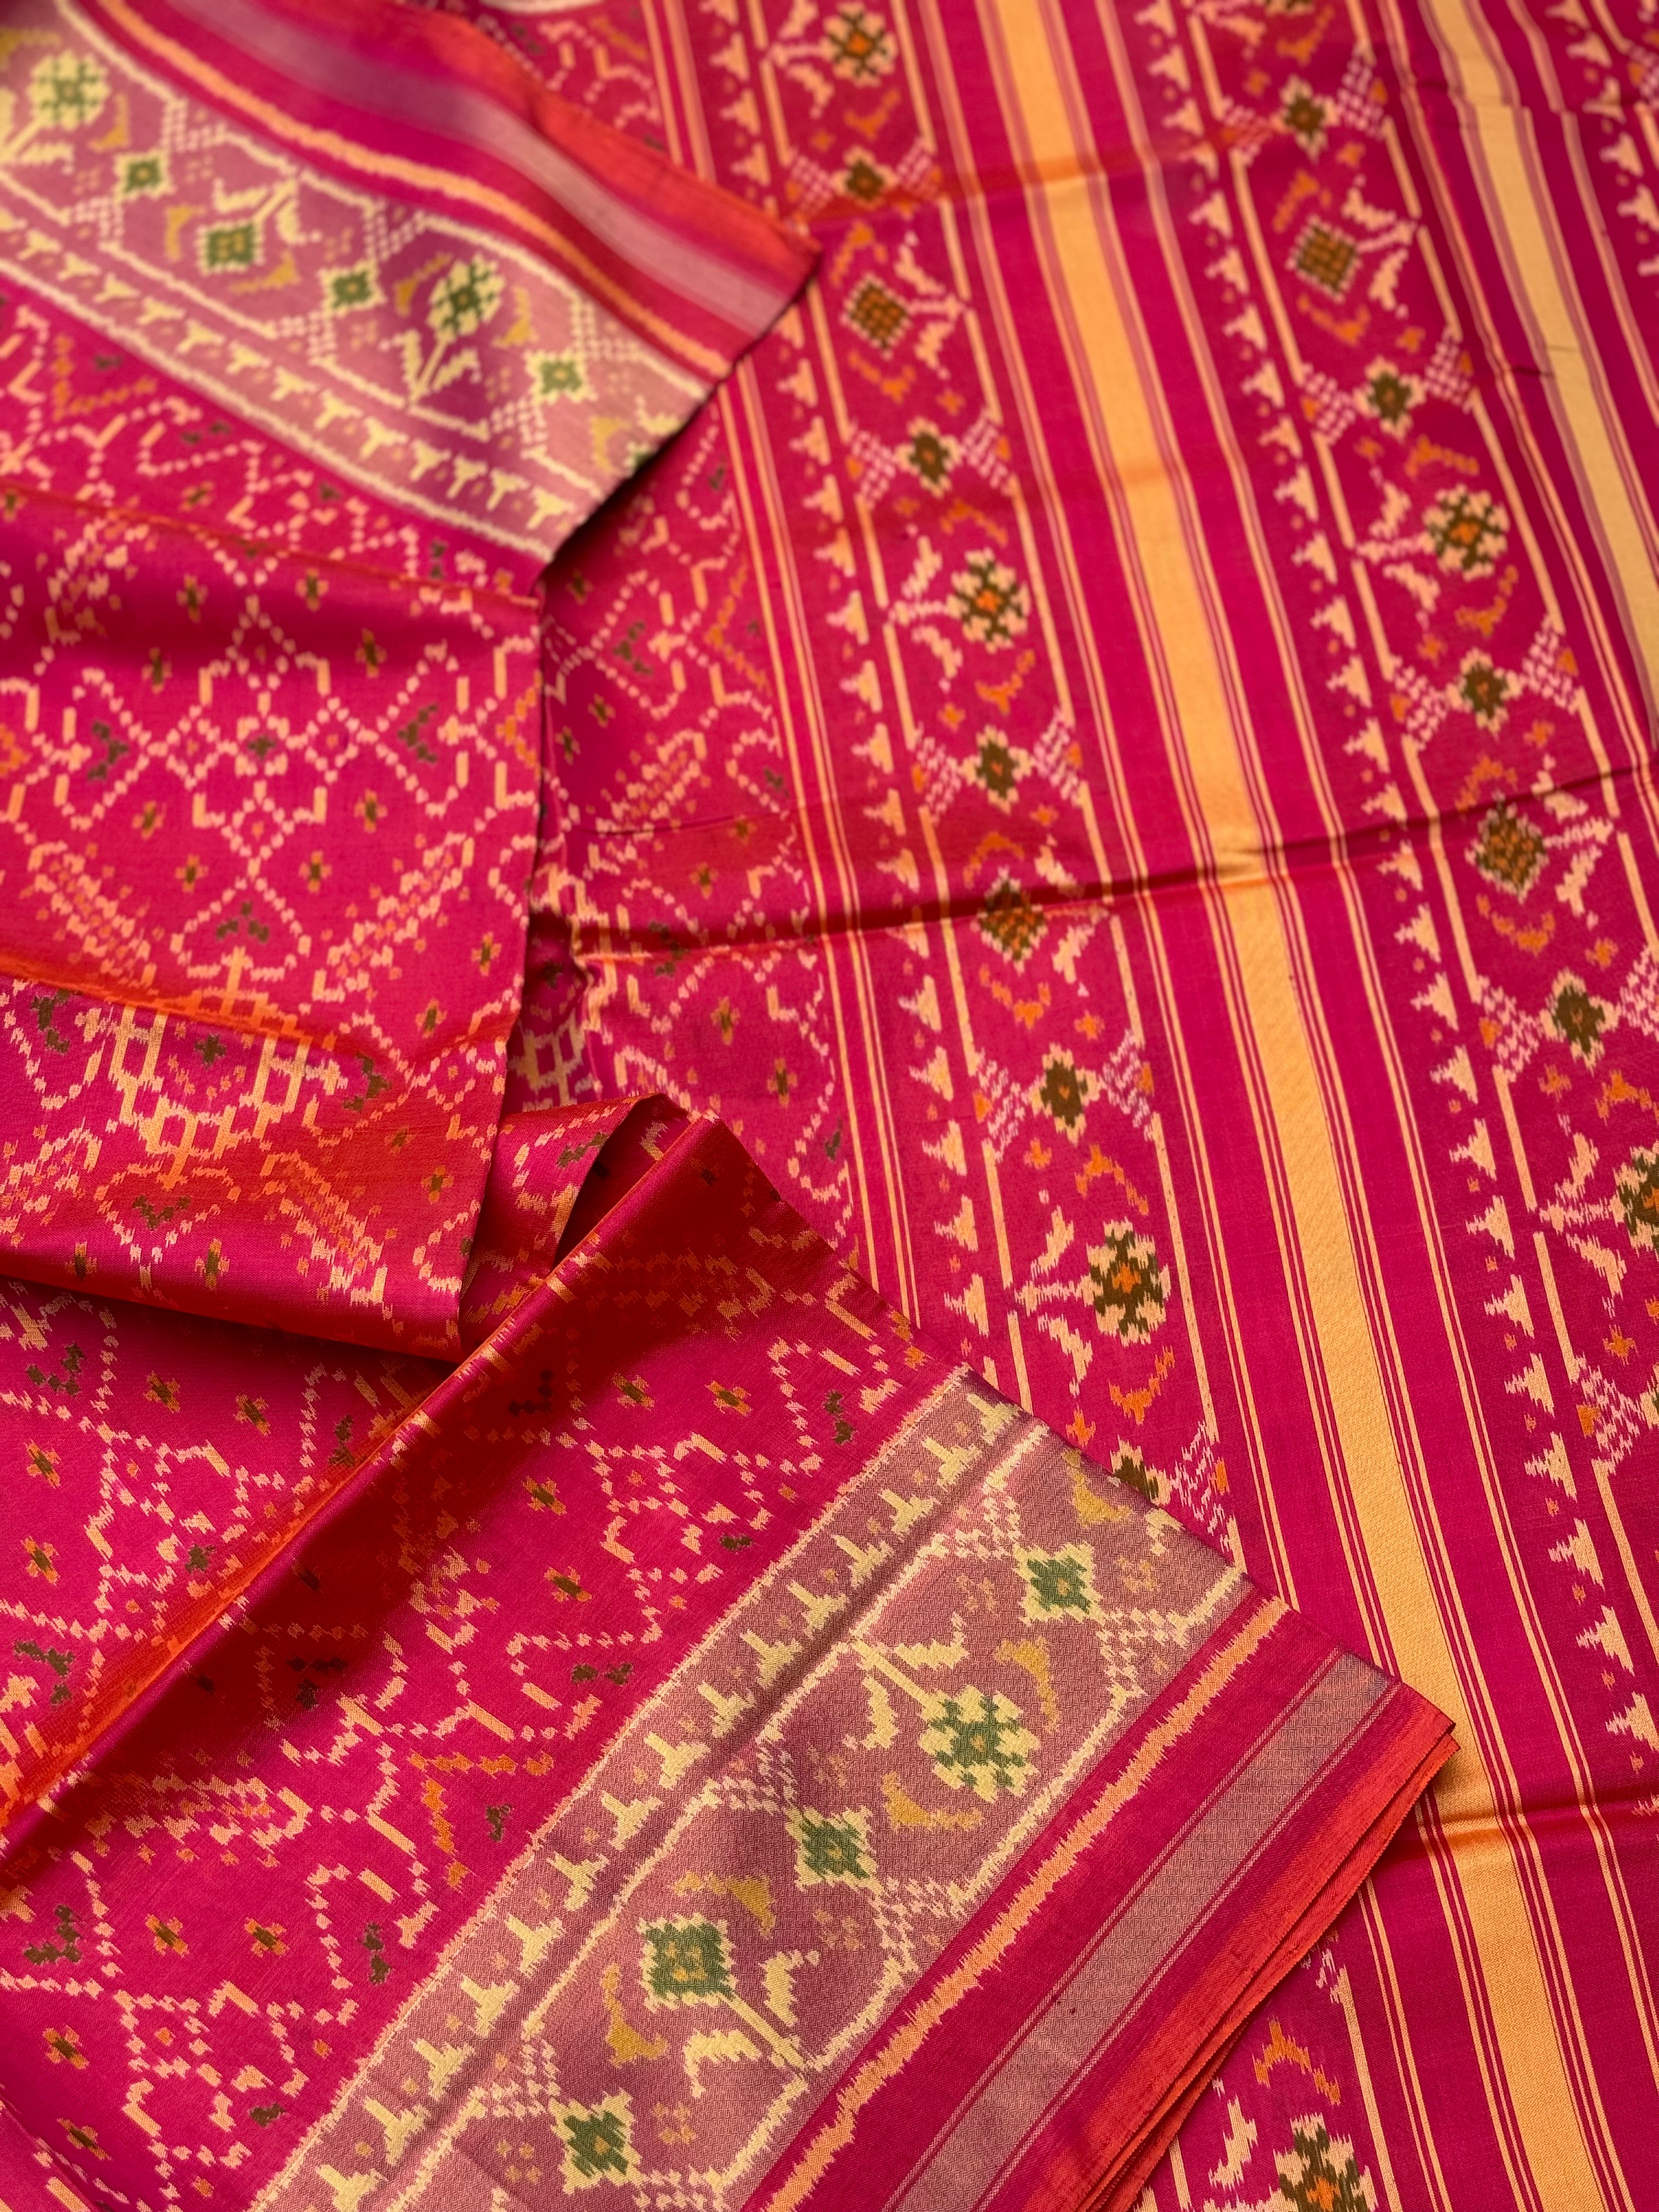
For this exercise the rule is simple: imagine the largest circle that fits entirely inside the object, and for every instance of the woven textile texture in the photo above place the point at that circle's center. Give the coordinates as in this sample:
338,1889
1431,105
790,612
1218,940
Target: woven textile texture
792,1304
1117,753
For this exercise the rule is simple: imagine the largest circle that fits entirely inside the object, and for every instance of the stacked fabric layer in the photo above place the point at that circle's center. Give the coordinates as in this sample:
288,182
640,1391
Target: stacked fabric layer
1112,750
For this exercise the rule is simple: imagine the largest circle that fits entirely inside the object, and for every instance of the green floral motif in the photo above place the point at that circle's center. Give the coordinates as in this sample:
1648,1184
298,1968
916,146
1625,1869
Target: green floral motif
1638,1185
1303,114
67,91
989,600
686,1962
832,1847
998,768
558,376
877,315
142,176
1064,1092
346,289
1577,1018
1318,2174
1326,257
1509,851
465,298
597,2141
928,453
1010,922
977,1741
1130,1291
1058,1583
227,245
858,45
1484,690
1466,530
1388,396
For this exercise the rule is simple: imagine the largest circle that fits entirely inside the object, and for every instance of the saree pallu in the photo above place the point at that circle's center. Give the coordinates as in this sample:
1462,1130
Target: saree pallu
707,1744
1140,810
713,1748
273,746
1083,750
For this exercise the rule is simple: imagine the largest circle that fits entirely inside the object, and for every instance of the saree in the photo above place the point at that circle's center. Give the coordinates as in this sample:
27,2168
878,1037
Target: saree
1082,751
1157,777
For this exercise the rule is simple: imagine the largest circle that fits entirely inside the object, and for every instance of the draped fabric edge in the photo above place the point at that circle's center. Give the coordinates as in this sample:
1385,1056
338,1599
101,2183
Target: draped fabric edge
1050,2053
429,109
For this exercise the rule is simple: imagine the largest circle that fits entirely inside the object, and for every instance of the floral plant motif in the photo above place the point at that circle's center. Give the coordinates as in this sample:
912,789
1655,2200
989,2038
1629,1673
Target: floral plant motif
597,2141
1577,1018
1326,257
877,315
977,1741
930,454
142,175
1058,1584
1466,530
346,289
1010,922
1510,851
1131,1290
858,43
1000,768
989,600
1304,114
1064,1092
1320,2172
831,1847
686,1962
1484,690
1389,396
558,376
1127,1464
464,299
67,91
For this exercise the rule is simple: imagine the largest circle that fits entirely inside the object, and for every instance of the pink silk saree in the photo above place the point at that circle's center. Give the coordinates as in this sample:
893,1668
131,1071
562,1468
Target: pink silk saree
1112,750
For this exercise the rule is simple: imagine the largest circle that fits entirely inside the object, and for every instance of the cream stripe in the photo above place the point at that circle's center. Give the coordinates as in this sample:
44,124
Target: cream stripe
1524,1844
1526,2028
1523,229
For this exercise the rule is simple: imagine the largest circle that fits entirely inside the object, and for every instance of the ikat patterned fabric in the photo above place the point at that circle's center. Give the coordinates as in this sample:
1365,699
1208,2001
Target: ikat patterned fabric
273,766
1118,754
1115,749
642,1758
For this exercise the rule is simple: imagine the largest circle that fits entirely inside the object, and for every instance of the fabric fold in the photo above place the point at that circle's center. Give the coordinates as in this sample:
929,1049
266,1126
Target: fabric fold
373,231
709,1741
270,813
429,108
226,1439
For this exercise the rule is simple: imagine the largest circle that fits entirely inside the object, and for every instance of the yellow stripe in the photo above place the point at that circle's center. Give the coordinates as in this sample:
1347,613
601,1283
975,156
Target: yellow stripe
1523,229
1093,301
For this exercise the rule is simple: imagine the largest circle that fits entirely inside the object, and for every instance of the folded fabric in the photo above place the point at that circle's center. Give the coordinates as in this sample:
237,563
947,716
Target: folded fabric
1119,758
273,776
708,1743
